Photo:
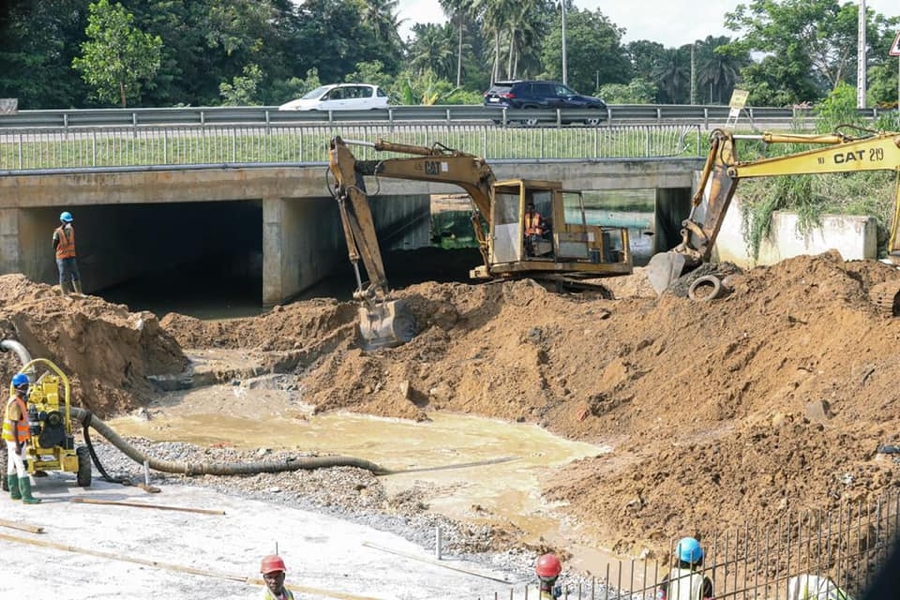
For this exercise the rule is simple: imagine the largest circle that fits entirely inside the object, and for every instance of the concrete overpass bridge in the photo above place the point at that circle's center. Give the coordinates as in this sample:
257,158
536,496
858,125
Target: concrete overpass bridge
275,224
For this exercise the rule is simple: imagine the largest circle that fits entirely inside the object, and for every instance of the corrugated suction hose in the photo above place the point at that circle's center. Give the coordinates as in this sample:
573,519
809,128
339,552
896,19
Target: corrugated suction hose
87,419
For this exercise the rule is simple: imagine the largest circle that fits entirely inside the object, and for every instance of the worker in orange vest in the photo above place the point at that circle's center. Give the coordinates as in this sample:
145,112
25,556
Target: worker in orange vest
273,570
534,228
548,569
64,246
16,433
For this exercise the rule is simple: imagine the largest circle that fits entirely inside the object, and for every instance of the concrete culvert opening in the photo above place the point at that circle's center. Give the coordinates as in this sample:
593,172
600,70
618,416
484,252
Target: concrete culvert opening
198,258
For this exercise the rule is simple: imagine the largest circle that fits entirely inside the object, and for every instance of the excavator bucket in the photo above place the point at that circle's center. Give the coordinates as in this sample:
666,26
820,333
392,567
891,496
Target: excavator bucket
386,324
663,269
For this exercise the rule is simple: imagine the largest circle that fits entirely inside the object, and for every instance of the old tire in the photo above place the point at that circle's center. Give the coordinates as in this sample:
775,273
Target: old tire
706,288
84,466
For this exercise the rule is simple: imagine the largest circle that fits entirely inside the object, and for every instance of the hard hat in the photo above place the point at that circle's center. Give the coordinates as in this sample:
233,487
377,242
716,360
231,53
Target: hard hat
65,216
688,550
271,564
548,566
20,380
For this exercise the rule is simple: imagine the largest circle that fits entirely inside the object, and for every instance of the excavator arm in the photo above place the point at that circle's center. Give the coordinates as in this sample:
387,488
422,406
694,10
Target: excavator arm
723,170
385,322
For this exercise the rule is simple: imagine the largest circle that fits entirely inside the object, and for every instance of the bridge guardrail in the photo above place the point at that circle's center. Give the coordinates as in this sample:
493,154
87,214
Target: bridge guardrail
261,115
84,147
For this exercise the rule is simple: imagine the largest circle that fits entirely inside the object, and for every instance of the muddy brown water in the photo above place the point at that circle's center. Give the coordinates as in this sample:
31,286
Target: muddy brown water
476,470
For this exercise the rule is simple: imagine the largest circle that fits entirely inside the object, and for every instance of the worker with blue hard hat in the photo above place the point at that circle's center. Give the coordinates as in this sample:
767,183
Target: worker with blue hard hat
16,433
686,581
64,247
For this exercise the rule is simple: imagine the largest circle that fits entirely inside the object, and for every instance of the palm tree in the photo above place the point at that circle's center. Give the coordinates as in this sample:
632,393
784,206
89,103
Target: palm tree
433,49
458,10
718,71
672,74
381,17
496,15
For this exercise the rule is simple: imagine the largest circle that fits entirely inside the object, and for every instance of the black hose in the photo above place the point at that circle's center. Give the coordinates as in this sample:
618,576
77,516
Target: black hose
292,463
86,433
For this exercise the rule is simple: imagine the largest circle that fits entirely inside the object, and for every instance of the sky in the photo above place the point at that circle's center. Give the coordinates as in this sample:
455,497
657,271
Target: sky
673,23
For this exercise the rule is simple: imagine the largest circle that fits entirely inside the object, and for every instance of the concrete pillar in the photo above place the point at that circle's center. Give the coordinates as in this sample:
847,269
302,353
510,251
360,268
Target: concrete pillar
9,240
672,206
302,243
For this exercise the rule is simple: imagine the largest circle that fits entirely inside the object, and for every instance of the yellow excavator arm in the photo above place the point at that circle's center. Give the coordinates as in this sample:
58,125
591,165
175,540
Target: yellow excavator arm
385,322
723,170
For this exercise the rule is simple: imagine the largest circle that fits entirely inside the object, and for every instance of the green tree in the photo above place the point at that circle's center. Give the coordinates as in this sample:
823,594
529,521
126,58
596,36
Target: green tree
672,75
459,12
594,51
38,41
117,57
242,91
636,91
643,56
718,70
809,46
434,49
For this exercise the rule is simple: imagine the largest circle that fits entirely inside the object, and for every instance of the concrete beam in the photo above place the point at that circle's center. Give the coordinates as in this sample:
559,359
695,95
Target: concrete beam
226,184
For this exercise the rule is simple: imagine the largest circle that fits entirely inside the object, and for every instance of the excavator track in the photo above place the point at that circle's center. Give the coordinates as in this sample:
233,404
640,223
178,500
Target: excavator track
886,297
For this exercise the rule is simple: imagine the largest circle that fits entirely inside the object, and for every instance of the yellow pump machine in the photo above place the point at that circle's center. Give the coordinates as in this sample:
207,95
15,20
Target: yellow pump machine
52,443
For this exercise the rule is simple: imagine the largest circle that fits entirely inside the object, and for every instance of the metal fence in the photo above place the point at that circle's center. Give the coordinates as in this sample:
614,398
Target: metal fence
848,545
616,114
136,145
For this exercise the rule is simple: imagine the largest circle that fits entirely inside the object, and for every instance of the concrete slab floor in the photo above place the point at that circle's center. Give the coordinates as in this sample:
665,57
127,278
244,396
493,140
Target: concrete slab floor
208,547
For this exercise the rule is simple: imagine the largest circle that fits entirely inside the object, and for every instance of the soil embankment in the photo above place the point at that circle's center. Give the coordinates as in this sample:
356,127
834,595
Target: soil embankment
773,397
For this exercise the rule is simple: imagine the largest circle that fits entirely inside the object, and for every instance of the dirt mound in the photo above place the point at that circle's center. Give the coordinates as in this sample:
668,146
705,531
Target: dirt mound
106,351
774,397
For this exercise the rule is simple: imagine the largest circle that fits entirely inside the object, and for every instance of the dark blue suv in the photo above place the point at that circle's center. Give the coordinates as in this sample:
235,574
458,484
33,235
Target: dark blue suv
530,94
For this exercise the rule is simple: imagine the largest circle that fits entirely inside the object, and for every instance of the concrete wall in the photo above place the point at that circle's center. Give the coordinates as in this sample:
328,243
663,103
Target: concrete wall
303,241
855,237
132,221
9,240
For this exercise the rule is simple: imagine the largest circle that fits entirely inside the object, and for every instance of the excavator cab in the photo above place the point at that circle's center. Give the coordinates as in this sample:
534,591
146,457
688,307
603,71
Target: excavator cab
568,248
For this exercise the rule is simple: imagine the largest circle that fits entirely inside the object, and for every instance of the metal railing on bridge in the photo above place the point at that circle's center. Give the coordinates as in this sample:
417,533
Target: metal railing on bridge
93,147
616,114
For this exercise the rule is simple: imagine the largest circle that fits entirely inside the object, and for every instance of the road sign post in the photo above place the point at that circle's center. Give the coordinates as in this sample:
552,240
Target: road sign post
738,101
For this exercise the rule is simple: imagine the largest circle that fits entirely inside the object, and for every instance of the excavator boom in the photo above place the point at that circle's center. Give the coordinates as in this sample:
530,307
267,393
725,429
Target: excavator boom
722,171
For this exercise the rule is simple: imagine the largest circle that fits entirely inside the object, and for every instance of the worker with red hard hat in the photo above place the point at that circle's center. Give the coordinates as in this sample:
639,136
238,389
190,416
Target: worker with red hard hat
273,570
548,569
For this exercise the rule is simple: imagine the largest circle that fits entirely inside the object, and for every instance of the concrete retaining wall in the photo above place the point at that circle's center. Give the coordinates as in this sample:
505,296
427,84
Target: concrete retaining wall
855,237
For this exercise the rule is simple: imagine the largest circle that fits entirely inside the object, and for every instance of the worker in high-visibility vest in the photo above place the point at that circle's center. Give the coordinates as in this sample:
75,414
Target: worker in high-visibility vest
534,228
16,432
548,569
272,569
64,247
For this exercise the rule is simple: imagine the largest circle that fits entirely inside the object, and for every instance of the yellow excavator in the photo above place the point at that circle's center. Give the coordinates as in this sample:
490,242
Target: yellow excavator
568,256
841,153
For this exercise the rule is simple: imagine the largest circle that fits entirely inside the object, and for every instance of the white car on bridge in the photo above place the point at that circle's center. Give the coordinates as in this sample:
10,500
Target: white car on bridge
340,96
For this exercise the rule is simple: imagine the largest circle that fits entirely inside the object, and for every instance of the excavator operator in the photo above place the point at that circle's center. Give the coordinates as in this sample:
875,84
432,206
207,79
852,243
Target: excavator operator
534,228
